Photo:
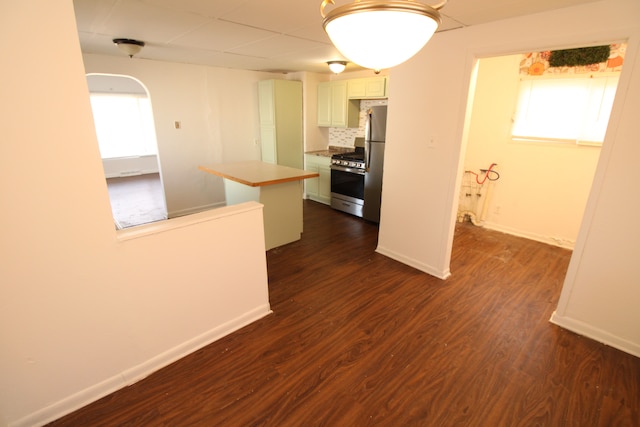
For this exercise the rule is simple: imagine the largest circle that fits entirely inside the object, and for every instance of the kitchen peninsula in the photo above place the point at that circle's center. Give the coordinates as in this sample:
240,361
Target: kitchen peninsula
278,188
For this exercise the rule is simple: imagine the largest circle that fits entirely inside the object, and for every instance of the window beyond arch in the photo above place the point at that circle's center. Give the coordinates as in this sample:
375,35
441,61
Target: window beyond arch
123,117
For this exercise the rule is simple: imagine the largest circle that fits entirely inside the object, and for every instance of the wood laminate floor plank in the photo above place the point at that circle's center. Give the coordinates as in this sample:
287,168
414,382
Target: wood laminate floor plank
357,339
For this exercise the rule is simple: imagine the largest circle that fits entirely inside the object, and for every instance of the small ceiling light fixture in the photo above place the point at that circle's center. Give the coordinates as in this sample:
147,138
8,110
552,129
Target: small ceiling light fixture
337,66
129,46
380,34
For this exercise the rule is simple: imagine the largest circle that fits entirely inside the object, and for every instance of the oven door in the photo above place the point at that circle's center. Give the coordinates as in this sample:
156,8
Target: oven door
347,189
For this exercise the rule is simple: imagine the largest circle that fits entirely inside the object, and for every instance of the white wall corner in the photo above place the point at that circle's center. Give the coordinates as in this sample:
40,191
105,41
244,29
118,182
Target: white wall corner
594,333
411,262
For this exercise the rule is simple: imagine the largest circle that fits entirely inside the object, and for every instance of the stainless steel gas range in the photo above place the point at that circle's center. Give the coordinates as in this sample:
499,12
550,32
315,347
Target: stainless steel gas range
347,182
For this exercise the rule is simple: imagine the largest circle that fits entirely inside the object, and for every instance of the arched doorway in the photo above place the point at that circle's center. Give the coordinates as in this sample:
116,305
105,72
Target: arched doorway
125,129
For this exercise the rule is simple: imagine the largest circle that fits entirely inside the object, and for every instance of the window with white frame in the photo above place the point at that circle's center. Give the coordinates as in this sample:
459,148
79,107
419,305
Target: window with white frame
124,125
565,109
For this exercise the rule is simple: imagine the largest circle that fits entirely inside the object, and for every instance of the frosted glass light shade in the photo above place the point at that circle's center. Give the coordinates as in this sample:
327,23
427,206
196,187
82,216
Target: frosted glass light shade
129,46
378,34
337,66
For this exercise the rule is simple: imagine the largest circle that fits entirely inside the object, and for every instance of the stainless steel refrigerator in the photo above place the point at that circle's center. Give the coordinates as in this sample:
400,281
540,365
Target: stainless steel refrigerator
374,141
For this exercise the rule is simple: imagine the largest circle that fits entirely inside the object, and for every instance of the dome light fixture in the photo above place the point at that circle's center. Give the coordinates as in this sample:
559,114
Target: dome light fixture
380,34
337,66
129,46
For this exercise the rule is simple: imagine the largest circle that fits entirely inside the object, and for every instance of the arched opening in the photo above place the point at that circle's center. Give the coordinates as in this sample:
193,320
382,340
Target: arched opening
125,129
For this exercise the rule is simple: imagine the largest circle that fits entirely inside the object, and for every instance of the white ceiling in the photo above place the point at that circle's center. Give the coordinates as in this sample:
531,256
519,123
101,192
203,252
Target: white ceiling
261,35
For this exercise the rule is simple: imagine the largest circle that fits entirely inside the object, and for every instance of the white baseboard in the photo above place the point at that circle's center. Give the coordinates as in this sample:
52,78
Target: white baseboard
124,174
440,274
136,373
130,166
596,334
196,209
555,241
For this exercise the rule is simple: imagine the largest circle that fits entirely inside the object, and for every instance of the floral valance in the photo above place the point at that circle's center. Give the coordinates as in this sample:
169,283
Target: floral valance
591,60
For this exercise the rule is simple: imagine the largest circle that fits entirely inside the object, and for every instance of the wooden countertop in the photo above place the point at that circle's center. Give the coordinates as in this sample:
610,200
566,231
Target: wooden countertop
330,151
255,173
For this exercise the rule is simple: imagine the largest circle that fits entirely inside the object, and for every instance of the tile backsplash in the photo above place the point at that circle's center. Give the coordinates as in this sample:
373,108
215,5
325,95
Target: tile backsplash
345,137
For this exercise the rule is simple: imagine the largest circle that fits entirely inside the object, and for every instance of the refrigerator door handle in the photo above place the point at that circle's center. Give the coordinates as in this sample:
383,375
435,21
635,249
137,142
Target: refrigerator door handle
367,154
367,140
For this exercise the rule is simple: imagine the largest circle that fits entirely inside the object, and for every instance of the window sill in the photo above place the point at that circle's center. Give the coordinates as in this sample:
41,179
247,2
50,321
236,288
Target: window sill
555,142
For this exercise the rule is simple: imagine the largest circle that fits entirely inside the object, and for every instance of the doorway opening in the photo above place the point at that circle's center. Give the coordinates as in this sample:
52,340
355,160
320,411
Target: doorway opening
125,130
534,183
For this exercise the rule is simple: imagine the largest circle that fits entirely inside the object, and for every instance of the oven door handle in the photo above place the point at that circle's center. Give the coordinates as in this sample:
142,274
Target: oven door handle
347,169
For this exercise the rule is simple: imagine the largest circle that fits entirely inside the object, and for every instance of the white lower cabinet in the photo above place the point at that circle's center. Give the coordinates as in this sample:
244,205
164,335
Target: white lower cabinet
318,189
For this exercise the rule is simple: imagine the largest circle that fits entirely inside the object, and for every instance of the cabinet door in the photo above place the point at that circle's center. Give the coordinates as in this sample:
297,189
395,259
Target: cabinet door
266,103
318,189
324,104
289,133
376,87
339,104
334,108
373,87
356,89
268,144
324,184
311,184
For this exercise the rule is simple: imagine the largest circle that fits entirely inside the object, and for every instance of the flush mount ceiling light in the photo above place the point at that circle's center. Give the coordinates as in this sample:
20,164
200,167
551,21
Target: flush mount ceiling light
380,34
337,66
129,46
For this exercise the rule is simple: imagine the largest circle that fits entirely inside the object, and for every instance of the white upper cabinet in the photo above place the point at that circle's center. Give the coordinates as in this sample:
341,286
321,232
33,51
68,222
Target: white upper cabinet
372,87
334,108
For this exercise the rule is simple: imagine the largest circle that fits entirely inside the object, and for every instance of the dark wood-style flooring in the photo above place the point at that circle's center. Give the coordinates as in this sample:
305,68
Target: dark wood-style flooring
357,339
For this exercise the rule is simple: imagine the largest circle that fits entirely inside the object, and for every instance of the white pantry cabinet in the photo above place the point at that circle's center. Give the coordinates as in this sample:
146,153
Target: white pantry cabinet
281,136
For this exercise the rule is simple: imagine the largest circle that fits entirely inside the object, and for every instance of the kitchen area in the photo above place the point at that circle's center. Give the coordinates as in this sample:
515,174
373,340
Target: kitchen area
345,174
353,114
347,152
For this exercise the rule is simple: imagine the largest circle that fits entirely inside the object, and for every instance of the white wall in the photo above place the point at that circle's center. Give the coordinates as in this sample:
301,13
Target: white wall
85,310
543,188
421,182
218,112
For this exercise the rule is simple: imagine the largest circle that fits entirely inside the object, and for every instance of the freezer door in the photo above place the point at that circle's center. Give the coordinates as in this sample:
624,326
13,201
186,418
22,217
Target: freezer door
378,125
